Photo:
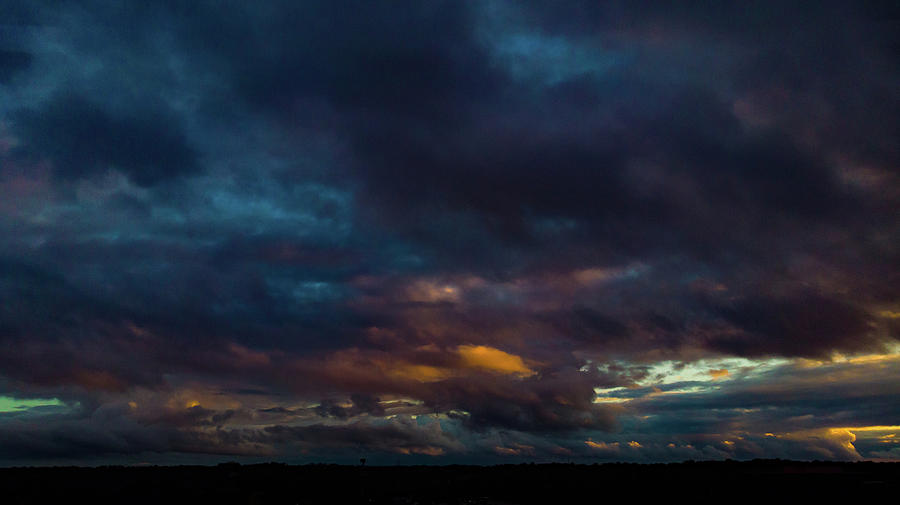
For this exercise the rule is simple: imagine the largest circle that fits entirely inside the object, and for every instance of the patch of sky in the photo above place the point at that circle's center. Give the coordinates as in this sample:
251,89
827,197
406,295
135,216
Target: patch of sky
550,60
668,372
697,376
549,226
315,291
306,291
540,58
309,210
635,271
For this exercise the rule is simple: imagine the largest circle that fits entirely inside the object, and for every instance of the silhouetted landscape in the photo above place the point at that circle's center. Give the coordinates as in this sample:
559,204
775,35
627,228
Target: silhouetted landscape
502,484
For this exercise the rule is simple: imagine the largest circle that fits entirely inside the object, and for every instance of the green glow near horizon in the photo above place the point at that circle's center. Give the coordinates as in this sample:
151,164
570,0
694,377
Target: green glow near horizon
10,404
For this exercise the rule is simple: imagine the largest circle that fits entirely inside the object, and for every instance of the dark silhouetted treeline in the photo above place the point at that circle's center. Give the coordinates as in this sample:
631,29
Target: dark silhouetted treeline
231,483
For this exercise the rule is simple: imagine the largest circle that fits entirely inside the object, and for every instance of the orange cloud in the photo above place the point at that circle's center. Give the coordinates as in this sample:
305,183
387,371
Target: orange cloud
870,428
518,450
427,450
840,440
718,374
421,373
603,446
429,364
489,358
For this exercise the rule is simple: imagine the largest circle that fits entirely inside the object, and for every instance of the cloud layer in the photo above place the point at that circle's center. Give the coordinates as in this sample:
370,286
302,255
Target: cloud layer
448,232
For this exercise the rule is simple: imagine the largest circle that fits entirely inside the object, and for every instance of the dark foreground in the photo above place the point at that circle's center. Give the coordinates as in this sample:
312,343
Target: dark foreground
506,484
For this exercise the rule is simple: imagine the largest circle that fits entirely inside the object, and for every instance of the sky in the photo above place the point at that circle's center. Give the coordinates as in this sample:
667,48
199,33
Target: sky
448,232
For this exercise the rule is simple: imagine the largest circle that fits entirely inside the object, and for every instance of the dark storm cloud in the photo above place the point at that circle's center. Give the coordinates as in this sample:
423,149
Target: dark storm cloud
473,211
553,404
795,325
586,323
11,63
81,139
413,63
39,346
403,437
75,435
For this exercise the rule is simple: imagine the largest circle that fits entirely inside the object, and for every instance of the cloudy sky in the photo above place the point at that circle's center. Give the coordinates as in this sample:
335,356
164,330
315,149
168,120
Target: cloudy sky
445,232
